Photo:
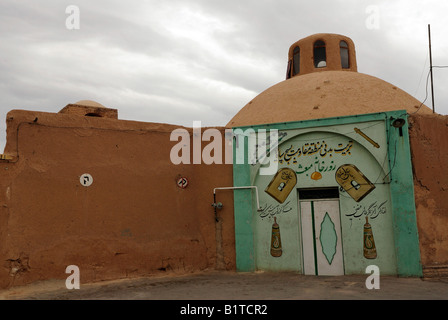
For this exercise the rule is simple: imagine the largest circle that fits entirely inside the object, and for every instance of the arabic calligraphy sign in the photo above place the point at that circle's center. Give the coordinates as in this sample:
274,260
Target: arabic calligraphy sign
318,165
373,210
270,210
320,148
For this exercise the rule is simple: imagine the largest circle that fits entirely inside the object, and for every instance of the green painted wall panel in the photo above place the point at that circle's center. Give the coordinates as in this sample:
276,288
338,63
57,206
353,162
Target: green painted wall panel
402,193
243,208
375,150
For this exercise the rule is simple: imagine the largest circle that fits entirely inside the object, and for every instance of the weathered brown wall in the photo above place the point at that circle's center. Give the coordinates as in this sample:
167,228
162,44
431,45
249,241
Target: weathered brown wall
132,221
429,148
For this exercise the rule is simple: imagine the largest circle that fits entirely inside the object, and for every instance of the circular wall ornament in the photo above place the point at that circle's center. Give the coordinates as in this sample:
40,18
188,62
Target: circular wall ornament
86,179
182,182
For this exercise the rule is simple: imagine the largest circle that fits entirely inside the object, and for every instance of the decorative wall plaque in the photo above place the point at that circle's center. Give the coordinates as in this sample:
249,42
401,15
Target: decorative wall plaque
282,184
353,181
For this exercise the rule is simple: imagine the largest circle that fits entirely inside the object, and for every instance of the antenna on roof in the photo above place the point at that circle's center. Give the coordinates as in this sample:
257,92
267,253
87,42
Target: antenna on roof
430,68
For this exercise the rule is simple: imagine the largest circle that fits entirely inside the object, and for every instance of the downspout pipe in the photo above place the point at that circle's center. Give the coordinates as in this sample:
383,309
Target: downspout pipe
219,205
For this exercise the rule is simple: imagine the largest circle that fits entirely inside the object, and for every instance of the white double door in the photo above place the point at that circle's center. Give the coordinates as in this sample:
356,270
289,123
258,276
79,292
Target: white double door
321,237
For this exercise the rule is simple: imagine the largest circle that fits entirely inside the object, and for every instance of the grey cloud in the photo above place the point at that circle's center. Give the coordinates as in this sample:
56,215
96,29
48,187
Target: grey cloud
125,55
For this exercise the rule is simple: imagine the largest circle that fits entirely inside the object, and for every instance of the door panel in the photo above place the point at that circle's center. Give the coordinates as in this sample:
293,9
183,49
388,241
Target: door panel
307,238
327,224
321,237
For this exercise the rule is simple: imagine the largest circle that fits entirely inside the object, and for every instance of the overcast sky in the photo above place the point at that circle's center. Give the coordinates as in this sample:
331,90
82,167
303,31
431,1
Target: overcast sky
179,61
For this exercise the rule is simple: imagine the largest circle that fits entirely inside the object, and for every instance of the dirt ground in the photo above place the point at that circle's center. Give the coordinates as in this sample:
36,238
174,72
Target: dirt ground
224,285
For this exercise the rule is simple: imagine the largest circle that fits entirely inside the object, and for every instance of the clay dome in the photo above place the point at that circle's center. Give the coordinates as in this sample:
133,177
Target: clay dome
89,108
323,95
89,103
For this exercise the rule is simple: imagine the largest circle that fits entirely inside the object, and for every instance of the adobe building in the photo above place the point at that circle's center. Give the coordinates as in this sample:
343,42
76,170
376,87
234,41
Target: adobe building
82,187
360,179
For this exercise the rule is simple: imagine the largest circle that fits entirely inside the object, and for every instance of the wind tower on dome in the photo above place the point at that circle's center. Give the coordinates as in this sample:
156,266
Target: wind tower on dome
322,81
321,52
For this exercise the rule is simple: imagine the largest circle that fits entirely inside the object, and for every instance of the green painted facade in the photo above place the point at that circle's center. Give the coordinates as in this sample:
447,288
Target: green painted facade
315,150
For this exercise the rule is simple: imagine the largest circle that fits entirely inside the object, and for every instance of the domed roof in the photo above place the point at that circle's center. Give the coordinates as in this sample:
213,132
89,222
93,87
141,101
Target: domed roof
90,103
324,95
89,108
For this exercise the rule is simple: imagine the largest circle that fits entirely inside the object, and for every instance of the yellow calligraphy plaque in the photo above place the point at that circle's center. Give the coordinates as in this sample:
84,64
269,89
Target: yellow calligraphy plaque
282,184
353,181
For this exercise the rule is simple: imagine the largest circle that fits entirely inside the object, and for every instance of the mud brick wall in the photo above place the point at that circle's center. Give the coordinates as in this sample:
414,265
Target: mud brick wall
133,220
429,151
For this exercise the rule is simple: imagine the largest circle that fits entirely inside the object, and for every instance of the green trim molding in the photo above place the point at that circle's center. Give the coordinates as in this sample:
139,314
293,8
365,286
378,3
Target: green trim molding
402,197
243,203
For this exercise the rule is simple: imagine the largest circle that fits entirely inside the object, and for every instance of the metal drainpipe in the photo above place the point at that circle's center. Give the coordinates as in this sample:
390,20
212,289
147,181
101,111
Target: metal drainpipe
215,205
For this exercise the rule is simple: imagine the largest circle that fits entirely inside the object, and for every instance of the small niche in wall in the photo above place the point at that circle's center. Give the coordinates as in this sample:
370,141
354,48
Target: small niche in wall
93,114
